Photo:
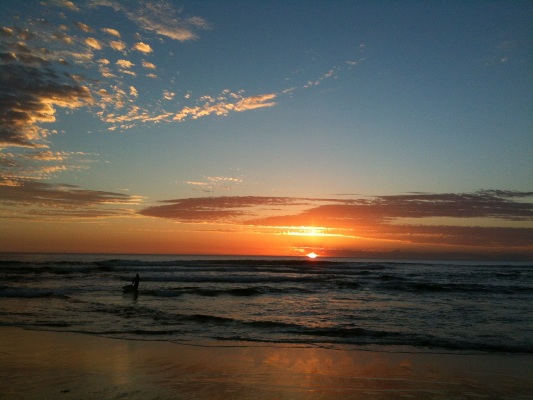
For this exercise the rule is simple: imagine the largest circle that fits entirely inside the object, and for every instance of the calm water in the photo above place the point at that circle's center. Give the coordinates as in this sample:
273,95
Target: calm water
388,306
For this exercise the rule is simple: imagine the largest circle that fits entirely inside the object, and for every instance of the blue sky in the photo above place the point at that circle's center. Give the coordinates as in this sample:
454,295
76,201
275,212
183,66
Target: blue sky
156,101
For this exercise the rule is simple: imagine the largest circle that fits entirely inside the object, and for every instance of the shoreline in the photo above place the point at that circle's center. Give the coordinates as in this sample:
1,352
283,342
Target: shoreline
47,364
511,258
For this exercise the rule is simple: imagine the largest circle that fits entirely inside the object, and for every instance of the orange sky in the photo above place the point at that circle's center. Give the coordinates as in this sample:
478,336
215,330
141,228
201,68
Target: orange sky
345,128
477,223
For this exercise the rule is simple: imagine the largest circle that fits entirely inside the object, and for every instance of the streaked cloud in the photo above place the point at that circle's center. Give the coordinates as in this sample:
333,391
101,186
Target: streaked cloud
32,164
161,17
45,200
253,102
212,183
71,195
223,105
388,218
216,209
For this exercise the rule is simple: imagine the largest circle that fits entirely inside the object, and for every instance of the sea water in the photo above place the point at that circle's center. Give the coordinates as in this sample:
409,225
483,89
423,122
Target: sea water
452,307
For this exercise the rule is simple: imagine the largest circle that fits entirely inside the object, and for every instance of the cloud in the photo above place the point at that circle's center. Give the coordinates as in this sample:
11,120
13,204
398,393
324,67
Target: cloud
111,31
386,218
35,79
390,209
29,95
48,155
168,95
148,65
85,56
93,43
67,4
30,164
47,200
212,183
5,31
220,105
67,195
83,27
223,107
118,45
125,63
161,18
223,179
142,47
253,102
331,73
215,209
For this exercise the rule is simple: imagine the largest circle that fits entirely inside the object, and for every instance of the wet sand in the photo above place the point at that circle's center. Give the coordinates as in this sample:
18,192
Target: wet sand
51,365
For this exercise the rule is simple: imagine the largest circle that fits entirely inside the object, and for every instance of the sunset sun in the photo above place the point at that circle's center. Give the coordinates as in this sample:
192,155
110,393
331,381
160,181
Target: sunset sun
312,255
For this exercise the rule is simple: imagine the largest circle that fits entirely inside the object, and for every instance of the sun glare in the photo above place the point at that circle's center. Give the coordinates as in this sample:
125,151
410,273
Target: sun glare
312,255
305,231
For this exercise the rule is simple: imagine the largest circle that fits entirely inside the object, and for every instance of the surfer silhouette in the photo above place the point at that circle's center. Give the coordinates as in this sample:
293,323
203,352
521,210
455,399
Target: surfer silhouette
135,283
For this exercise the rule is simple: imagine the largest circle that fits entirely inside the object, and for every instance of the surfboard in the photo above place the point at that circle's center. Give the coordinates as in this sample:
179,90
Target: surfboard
127,289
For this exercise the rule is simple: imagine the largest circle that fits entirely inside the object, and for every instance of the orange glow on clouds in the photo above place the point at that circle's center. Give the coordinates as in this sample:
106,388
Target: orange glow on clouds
269,226
68,184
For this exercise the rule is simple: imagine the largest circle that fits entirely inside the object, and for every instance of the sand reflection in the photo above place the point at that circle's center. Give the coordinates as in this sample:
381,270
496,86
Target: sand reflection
49,365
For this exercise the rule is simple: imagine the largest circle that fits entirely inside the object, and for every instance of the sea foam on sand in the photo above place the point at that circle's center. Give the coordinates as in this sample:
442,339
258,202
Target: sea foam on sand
52,365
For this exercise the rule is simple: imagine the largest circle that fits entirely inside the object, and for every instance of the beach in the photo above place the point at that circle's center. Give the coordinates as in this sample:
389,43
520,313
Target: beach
264,329
60,365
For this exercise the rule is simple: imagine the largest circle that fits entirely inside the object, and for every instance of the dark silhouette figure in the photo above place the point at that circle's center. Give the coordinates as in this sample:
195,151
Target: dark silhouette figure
135,283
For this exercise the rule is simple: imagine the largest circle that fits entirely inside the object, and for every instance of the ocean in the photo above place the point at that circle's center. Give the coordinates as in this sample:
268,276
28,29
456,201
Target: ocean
395,306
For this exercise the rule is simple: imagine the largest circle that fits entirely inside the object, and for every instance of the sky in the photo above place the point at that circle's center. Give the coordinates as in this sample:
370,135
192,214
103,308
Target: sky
278,128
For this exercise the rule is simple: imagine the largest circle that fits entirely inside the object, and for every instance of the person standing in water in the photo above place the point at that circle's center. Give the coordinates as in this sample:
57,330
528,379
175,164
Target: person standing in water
135,283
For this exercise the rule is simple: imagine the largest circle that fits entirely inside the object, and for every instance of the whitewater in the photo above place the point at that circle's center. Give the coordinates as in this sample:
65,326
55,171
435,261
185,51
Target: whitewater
397,306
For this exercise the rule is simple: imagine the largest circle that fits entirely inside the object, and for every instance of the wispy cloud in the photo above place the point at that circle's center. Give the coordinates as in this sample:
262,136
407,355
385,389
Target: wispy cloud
19,167
57,63
331,73
216,209
47,67
224,104
44,200
211,183
161,18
